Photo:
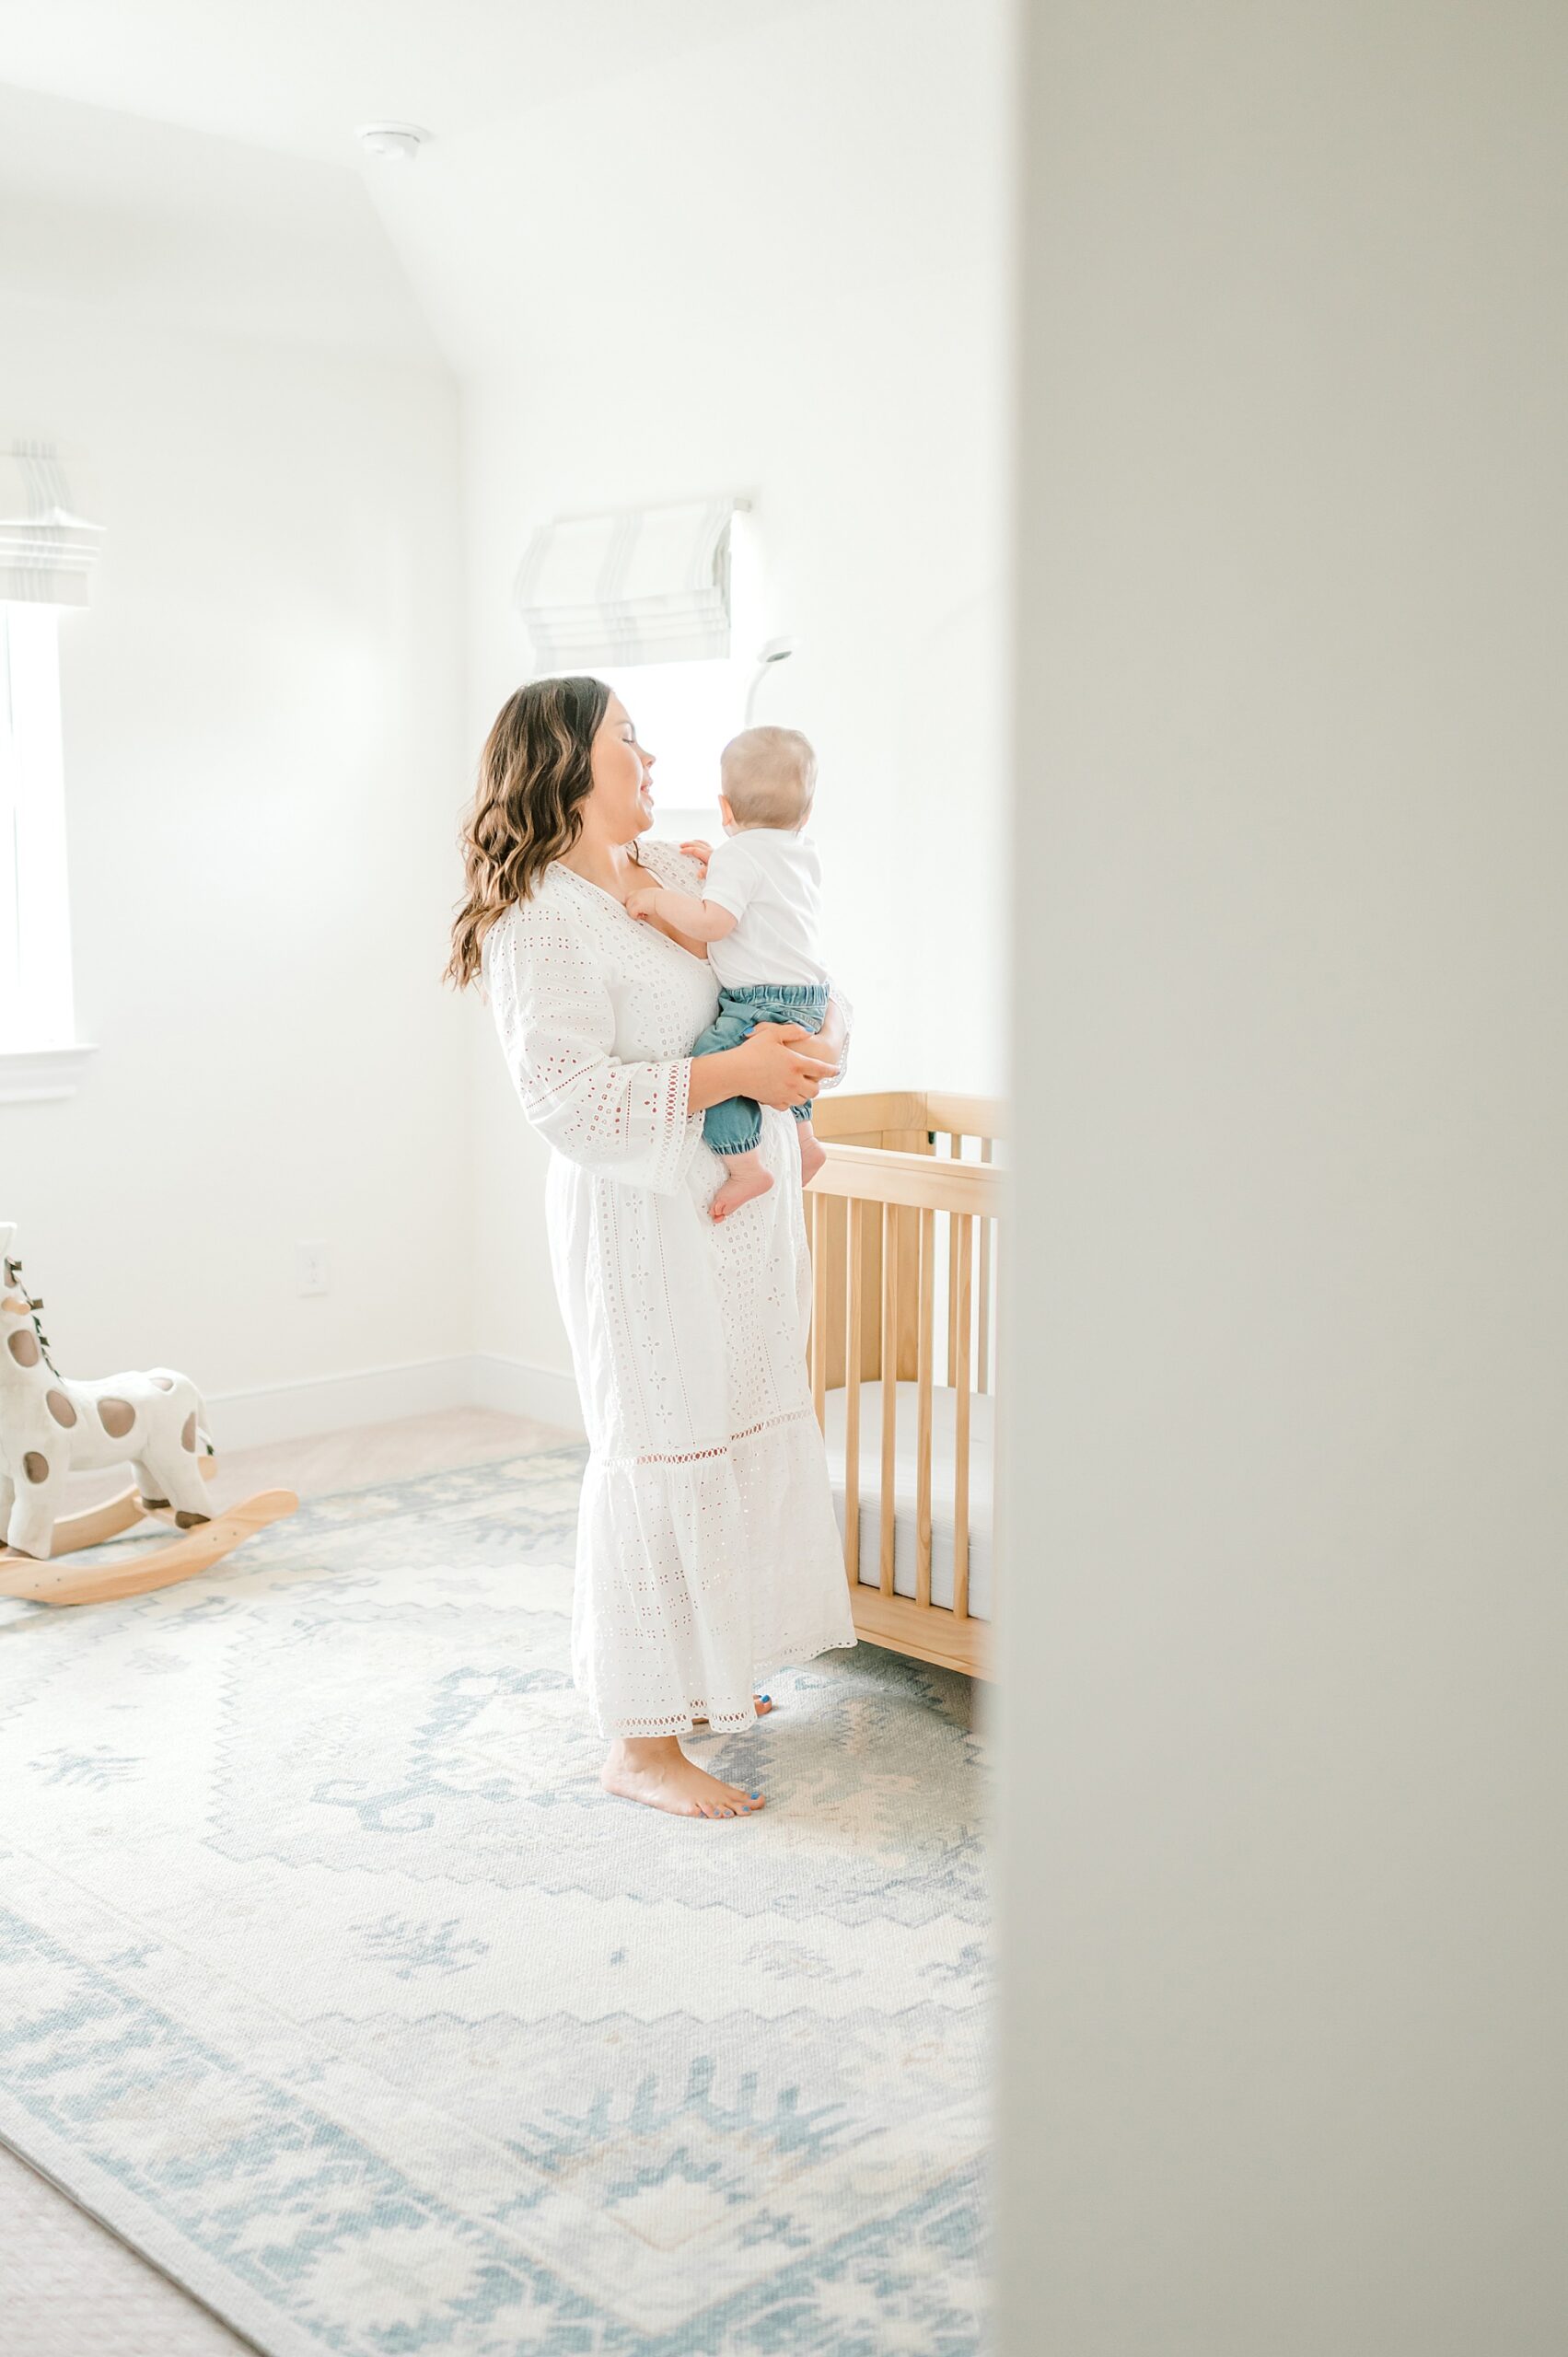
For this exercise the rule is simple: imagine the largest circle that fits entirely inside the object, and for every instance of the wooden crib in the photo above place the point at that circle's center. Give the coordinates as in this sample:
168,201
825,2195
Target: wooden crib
902,1221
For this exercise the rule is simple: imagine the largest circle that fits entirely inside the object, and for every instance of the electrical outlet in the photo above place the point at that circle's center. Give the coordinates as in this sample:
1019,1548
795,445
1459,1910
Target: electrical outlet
311,1268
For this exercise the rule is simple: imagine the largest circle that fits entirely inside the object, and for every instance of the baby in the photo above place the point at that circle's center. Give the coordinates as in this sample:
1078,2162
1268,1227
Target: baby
759,914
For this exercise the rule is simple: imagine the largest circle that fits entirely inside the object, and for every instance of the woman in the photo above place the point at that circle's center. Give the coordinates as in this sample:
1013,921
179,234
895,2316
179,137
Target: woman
707,1546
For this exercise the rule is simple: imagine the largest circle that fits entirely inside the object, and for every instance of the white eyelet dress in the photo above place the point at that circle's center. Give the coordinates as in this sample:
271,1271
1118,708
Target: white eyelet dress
708,1552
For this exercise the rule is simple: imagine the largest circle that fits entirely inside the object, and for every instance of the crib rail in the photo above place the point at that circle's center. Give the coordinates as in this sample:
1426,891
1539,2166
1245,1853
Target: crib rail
904,1270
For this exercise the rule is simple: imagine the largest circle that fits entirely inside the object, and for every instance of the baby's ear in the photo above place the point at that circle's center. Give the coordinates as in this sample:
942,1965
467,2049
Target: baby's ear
726,813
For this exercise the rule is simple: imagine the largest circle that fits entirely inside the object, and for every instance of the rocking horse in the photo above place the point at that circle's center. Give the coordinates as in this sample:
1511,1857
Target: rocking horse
50,1427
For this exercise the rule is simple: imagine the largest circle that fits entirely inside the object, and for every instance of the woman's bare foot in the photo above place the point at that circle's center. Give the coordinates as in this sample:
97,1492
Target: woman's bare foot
744,1180
655,1771
813,1153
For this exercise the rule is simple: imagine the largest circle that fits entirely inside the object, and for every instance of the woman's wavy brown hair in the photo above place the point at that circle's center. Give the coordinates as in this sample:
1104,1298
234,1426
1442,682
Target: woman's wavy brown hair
534,775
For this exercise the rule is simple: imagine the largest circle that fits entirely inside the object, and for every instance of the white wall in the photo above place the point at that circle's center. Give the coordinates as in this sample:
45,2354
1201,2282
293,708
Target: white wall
264,748
1282,2067
776,266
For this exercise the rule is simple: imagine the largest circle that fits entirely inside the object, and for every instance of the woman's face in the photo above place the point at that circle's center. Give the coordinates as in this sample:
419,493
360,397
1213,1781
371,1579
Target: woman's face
622,776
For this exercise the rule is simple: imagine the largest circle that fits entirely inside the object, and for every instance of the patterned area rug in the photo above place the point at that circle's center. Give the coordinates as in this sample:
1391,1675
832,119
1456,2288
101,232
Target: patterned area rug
330,1979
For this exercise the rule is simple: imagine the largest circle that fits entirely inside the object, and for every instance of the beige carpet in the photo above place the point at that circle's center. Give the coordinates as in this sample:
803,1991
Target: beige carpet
67,2287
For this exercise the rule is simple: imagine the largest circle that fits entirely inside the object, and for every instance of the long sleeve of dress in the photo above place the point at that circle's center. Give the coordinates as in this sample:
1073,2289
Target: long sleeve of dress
556,1020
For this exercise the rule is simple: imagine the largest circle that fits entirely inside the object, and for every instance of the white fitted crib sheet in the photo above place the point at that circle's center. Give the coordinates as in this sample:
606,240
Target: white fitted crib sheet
944,1416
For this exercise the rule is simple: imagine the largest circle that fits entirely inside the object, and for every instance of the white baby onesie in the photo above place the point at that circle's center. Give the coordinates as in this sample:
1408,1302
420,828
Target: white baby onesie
770,879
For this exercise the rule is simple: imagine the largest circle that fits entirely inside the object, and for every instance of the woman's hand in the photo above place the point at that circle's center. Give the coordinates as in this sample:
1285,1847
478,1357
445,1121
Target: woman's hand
778,1065
783,1065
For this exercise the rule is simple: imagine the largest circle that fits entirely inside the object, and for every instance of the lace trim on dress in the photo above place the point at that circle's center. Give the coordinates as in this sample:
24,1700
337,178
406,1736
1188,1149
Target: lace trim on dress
725,1722
721,1448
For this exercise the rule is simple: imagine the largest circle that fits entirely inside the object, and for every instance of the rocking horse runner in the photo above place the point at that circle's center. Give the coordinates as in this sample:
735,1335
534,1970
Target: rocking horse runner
50,1427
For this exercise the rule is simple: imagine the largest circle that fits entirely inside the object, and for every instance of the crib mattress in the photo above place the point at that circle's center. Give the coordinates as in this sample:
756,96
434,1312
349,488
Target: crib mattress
944,1415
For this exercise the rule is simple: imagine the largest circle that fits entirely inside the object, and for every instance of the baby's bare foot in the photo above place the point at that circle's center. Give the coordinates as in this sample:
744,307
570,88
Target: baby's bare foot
813,1153
740,1187
657,1773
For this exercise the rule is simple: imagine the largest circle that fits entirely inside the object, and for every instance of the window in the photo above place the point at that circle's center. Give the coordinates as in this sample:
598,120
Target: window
685,714
35,935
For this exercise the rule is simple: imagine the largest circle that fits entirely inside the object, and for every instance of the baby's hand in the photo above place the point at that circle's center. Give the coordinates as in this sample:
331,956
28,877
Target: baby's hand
702,852
643,905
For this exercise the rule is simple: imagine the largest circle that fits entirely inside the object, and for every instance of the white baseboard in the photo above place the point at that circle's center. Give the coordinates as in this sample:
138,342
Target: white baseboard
379,1395
519,1390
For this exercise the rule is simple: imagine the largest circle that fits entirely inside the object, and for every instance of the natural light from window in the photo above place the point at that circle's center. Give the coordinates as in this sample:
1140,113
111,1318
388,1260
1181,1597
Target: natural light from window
685,714
35,932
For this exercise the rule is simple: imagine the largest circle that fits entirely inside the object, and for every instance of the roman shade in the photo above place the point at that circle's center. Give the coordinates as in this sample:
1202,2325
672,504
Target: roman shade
650,585
47,548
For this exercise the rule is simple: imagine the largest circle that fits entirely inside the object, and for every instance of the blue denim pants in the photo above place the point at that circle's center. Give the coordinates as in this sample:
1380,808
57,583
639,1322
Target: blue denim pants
735,1125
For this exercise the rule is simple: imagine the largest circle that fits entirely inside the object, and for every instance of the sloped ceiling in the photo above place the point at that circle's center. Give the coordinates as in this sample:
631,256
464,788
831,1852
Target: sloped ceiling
164,228
181,160
299,75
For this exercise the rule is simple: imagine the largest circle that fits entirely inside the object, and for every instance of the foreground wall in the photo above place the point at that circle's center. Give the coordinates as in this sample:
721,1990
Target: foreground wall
1283,2059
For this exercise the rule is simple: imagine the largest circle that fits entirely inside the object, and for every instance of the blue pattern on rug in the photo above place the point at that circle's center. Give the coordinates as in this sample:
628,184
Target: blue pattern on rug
330,1976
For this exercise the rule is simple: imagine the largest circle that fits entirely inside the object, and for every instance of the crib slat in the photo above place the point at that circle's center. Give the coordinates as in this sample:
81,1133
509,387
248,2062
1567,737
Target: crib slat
963,1239
982,1347
855,1238
817,1212
922,1445
952,1300
889,1389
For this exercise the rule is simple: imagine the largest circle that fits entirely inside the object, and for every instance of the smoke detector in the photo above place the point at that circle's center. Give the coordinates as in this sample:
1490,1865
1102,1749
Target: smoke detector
401,141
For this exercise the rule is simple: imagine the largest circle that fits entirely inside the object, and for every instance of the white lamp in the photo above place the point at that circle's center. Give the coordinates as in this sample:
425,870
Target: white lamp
771,650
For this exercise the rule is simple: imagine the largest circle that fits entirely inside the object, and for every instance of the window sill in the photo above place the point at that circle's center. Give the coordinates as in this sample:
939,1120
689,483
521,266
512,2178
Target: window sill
38,1075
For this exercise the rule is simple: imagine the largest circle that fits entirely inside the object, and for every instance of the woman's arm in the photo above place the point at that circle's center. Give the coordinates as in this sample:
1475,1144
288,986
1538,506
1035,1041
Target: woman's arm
626,1120
638,1121
778,1065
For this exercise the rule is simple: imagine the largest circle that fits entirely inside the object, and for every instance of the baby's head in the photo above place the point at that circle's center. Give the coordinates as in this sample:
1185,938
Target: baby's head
768,776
